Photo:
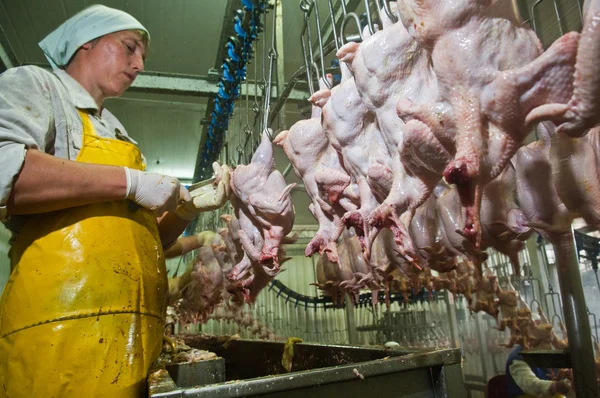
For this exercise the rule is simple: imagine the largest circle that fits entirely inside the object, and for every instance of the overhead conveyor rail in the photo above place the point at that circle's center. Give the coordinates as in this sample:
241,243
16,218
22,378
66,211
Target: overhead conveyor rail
326,302
247,27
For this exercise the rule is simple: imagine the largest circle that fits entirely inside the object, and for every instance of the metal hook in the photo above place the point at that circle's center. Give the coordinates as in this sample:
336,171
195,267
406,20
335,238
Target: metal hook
320,40
386,6
306,5
343,27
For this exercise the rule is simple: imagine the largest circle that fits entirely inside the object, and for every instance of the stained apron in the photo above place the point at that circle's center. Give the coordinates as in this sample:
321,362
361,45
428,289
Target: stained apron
83,311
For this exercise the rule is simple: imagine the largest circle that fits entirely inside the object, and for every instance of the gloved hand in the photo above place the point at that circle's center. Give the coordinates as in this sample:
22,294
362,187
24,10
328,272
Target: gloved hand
561,387
155,192
205,238
209,197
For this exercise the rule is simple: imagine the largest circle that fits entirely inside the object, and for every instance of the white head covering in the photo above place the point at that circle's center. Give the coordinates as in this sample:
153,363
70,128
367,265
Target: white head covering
93,22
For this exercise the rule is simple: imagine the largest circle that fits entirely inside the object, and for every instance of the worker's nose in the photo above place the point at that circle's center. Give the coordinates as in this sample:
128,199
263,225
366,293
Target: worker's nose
137,63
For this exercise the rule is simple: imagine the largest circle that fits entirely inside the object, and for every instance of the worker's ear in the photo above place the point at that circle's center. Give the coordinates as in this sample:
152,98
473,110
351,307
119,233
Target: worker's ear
90,44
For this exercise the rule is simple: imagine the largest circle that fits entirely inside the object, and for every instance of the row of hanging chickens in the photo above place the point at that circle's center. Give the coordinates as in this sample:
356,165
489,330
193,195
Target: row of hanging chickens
238,261
420,148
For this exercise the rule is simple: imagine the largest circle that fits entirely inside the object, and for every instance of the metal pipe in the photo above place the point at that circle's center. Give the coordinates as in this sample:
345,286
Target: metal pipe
333,27
287,170
576,318
307,66
320,41
280,60
343,3
481,346
351,322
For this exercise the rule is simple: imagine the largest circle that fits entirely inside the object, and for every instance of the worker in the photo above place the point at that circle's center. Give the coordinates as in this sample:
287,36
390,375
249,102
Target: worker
526,382
83,311
186,244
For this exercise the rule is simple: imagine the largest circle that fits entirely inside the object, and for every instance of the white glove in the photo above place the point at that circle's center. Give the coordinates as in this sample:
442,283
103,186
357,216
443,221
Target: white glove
155,192
209,197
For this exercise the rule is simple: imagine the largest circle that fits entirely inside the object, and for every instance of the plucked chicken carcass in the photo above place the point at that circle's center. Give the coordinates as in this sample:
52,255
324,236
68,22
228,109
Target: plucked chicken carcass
264,209
536,192
582,112
465,280
491,80
333,277
451,218
364,277
245,286
425,233
487,288
397,260
576,173
318,164
502,222
353,132
350,275
399,283
387,66
200,289
509,300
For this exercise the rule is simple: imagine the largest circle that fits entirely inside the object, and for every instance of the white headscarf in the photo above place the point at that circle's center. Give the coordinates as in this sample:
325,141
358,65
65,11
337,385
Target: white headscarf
93,22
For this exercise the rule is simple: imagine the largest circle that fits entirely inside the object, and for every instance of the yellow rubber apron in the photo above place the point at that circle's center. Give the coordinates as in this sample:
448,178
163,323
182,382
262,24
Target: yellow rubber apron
83,312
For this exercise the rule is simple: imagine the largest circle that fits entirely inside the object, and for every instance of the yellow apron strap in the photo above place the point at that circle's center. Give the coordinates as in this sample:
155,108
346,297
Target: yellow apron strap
88,129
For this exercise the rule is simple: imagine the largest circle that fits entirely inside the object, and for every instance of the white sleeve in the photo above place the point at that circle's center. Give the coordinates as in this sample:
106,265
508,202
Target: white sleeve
26,122
528,381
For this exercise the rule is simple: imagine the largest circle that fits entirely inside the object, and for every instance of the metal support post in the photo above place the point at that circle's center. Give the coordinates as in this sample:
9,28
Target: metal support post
576,318
351,322
451,311
482,344
536,265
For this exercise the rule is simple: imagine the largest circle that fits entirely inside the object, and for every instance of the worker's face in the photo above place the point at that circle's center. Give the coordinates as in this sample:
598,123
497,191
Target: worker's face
117,59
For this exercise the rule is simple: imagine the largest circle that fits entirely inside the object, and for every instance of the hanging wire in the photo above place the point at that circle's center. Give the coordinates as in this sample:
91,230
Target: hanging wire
333,24
269,85
320,43
389,13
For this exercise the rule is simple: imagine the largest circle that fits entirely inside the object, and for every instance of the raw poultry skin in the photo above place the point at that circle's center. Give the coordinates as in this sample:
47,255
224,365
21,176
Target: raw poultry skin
264,210
333,277
200,289
388,66
451,218
488,87
583,109
576,174
502,222
353,132
312,157
536,192
425,234
361,269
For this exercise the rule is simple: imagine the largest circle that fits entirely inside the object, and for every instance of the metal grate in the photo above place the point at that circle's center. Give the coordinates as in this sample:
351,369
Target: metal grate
551,19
